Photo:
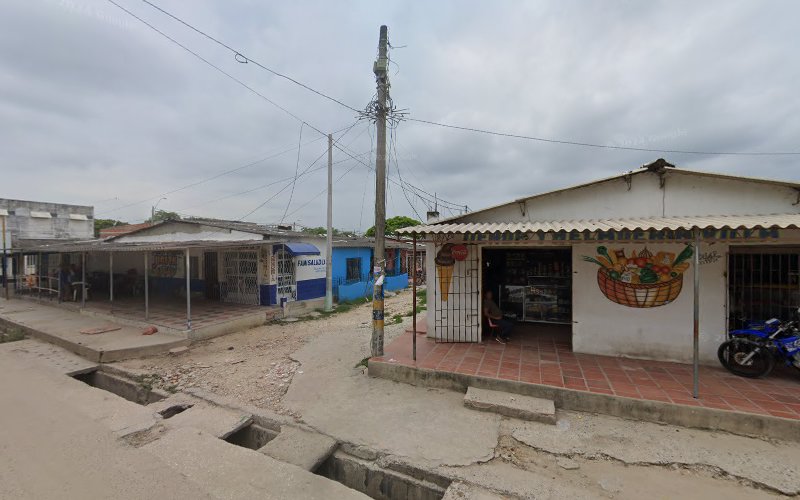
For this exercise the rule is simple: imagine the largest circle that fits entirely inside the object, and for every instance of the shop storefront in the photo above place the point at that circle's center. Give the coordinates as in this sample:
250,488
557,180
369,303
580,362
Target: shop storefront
616,285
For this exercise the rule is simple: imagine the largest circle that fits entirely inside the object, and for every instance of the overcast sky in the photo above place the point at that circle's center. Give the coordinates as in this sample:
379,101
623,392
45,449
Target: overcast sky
96,108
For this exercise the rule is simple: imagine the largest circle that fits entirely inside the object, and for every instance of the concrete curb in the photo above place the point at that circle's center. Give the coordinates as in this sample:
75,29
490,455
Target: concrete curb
95,355
744,424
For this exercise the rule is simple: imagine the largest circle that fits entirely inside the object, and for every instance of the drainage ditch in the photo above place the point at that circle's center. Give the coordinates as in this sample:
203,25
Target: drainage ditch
252,436
361,475
140,392
381,483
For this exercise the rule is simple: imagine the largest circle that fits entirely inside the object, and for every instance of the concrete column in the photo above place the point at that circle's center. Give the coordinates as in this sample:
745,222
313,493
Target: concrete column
188,292
146,288
111,279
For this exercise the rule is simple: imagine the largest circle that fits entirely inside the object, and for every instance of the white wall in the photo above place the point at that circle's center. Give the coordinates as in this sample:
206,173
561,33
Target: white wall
683,194
602,326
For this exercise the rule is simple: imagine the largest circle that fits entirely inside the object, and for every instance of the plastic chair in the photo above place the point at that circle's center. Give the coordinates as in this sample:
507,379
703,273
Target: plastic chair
494,328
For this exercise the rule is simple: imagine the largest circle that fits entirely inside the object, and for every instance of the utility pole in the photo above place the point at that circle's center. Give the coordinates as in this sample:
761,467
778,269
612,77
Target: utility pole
5,267
380,68
329,247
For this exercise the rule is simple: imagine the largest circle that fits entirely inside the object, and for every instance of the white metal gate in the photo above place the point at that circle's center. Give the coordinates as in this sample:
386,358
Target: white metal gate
240,283
285,276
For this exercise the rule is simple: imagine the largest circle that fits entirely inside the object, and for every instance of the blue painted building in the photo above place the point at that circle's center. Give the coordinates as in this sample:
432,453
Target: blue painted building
352,267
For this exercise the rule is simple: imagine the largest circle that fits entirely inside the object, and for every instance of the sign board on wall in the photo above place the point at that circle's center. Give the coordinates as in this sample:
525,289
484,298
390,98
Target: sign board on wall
309,267
165,264
639,235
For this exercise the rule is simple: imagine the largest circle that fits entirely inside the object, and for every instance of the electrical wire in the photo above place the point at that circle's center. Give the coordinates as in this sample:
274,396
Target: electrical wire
305,171
600,146
296,168
269,156
242,58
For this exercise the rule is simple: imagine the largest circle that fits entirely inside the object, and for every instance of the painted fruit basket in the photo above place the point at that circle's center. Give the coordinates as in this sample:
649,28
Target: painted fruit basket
638,294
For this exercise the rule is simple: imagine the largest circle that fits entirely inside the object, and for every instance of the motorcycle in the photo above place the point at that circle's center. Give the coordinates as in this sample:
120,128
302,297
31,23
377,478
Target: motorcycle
753,351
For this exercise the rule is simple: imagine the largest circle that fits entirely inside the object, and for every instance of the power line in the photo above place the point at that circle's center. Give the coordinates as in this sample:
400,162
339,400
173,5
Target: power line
601,146
305,171
296,168
242,58
221,174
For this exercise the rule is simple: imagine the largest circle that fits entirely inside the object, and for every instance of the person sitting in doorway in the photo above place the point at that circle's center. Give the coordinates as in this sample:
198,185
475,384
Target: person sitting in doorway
493,312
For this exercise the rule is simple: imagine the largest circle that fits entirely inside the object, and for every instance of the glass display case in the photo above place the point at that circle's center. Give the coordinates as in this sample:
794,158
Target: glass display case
546,299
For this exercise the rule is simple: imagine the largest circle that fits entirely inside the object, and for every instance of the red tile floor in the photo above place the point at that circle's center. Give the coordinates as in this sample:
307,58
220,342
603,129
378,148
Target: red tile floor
545,356
172,312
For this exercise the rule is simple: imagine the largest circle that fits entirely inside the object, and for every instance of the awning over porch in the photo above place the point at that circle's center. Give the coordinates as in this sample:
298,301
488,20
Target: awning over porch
112,246
298,248
781,221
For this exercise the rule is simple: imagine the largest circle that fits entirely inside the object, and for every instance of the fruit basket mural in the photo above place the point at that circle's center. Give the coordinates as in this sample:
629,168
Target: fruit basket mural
640,279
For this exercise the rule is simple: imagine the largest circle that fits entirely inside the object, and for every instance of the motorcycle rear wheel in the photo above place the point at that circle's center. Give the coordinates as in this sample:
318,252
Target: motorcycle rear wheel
733,356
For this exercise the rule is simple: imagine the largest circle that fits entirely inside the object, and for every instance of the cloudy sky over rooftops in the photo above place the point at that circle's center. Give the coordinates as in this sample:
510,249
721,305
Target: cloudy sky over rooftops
98,108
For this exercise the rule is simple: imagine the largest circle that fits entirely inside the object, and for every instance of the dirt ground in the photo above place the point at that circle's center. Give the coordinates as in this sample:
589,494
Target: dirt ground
256,366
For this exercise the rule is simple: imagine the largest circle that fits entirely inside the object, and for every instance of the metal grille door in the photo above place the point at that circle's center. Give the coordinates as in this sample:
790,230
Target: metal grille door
286,277
240,285
763,286
457,307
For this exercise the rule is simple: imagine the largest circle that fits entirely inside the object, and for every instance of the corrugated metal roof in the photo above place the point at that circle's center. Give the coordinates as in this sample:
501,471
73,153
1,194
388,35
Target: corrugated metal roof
782,221
111,246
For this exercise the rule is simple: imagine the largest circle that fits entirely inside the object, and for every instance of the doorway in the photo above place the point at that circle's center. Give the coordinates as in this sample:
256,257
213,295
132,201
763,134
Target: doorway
285,276
533,289
211,274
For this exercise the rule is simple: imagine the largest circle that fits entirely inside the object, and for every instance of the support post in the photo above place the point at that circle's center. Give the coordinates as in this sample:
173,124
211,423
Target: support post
146,288
188,292
413,271
111,279
83,280
381,75
329,240
39,275
696,331
60,275
5,264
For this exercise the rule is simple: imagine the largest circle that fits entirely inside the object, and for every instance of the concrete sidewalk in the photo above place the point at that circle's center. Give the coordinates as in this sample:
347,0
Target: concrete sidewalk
61,438
62,327
431,429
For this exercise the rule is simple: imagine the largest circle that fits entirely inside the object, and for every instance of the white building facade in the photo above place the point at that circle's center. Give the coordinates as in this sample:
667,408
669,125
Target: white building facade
611,262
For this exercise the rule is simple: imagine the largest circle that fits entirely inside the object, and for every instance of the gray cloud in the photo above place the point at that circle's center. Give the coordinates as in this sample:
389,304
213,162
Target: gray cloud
97,108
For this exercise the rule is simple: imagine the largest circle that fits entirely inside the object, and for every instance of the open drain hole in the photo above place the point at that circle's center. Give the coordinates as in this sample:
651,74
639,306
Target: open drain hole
378,482
174,410
140,393
252,436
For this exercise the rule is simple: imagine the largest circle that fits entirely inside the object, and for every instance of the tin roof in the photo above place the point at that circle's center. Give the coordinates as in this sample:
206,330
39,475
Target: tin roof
781,221
112,246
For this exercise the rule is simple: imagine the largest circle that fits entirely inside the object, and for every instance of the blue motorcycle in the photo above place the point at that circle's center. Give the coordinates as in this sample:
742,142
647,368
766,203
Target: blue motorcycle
753,351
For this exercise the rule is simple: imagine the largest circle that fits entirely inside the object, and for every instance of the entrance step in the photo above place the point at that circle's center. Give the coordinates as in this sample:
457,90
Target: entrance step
511,405
300,447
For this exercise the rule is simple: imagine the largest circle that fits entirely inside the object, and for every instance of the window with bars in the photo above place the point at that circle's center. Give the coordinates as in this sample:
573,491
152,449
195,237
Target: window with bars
762,285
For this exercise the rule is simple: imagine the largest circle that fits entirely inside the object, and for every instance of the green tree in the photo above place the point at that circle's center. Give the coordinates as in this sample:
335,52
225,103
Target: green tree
321,231
162,215
395,223
100,224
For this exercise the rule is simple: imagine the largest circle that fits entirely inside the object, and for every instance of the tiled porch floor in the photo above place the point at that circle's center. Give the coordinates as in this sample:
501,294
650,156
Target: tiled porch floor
548,359
172,313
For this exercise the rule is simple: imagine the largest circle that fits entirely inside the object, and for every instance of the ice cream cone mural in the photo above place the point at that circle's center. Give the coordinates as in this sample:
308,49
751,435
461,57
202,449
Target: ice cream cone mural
444,269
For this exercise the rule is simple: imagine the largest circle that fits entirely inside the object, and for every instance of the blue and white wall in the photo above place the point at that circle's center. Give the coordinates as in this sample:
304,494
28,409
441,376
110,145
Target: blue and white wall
309,273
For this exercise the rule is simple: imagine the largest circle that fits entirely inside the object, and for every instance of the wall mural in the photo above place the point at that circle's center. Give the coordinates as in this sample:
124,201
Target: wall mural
640,279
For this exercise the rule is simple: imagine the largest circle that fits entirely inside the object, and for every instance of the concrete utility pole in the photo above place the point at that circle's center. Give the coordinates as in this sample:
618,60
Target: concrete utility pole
5,267
329,242
380,68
